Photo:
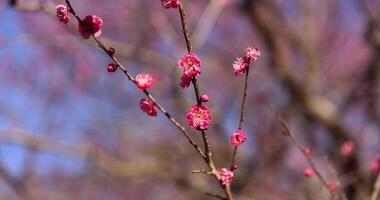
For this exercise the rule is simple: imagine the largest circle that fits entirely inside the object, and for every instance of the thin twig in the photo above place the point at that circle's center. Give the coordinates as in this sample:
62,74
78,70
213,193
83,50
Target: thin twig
308,158
242,113
243,103
215,196
129,76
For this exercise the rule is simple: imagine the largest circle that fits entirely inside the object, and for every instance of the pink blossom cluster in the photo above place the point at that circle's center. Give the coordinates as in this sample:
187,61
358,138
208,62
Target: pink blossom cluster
170,3
144,81
238,138
148,106
62,13
191,66
199,117
241,64
225,176
90,25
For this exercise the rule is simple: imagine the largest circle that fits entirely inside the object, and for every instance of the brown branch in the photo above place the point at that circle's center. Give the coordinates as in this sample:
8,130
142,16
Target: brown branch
297,144
209,161
123,50
146,92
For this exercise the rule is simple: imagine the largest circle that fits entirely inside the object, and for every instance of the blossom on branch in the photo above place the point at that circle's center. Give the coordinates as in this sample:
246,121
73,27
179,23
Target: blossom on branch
90,25
170,3
252,53
62,13
225,176
144,81
241,64
148,106
191,66
238,138
199,117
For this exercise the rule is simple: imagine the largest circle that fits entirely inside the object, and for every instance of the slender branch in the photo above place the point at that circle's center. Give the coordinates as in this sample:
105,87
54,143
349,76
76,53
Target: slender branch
215,196
146,92
242,113
209,161
185,29
308,158
243,103
234,155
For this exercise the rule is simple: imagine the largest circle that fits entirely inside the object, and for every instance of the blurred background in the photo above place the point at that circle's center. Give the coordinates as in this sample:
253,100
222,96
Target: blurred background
70,130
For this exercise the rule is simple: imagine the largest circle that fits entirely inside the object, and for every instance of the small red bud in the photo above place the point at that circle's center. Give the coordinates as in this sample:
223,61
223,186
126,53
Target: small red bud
332,187
111,67
309,172
307,152
234,167
285,133
204,98
111,51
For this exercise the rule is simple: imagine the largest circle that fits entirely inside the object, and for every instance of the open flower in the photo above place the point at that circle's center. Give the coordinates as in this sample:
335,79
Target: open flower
238,138
199,117
90,25
144,81
62,13
148,106
240,65
252,53
191,66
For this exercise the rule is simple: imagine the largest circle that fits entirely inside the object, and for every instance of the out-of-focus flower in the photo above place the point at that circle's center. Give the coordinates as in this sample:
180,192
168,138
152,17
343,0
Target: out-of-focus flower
375,165
307,152
148,106
199,117
238,138
62,13
90,25
332,187
347,148
144,81
225,176
309,172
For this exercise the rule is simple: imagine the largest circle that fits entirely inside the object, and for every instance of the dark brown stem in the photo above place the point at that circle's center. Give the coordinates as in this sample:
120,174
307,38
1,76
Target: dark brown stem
234,155
129,76
243,106
185,29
